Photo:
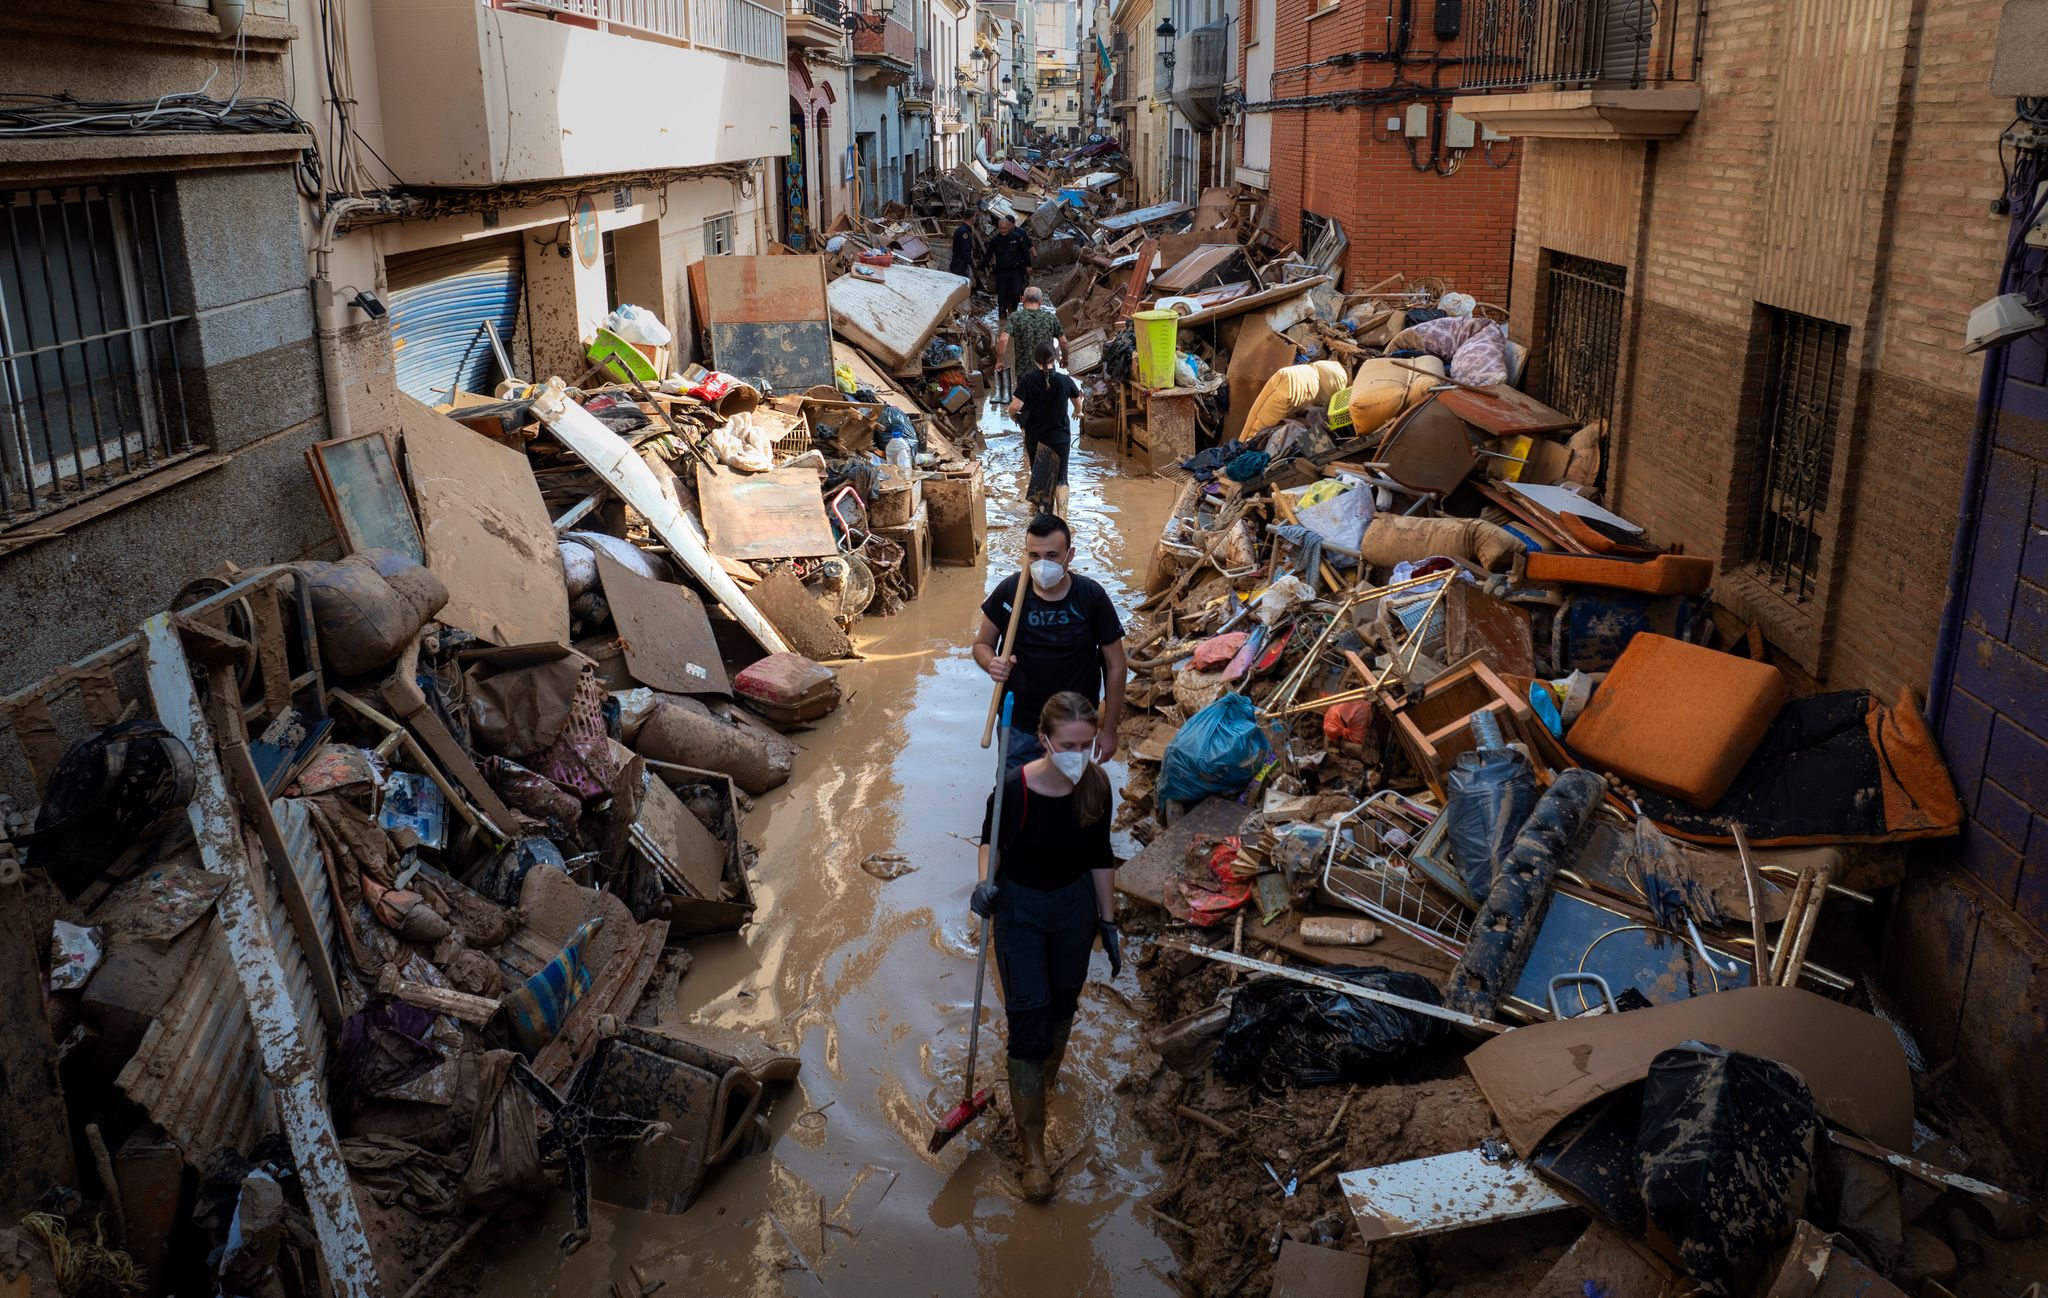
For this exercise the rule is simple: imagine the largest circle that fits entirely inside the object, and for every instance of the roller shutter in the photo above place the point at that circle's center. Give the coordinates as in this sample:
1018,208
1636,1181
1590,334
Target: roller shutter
440,299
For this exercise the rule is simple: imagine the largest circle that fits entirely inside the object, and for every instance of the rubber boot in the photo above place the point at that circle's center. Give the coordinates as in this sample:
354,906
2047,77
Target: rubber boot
1027,1104
1060,1032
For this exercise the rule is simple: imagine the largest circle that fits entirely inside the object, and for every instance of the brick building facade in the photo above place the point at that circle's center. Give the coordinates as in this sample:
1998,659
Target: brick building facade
1336,158
1792,228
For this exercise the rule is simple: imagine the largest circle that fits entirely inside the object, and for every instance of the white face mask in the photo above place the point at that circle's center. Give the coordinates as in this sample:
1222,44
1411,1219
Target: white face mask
1070,764
1047,573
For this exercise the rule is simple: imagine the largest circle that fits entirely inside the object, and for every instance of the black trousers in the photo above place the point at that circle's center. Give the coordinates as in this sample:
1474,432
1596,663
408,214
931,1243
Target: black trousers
1042,938
1009,292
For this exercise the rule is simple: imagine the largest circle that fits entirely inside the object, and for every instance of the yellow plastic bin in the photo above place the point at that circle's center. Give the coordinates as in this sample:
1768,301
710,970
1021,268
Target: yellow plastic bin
1157,331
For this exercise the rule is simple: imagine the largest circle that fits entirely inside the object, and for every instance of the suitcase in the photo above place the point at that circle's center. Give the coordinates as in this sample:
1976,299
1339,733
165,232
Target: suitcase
787,689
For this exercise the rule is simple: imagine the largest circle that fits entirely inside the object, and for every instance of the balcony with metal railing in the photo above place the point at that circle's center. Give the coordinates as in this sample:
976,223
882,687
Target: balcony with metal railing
918,92
1584,69
746,28
1201,66
551,89
893,46
815,24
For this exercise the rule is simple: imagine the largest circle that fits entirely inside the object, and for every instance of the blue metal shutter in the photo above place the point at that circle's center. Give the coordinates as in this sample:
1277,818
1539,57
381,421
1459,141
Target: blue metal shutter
439,301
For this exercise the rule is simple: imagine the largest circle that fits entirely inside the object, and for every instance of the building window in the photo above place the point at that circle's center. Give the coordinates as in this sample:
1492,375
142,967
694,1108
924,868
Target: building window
90,393
718,235
1582,334
1793,451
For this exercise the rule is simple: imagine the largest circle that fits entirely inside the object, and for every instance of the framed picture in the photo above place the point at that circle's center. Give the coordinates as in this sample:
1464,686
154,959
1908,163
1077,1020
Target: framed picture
358,481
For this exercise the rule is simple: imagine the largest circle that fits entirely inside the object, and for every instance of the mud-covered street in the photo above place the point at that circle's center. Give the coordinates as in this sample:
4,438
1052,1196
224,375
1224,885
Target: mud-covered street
870,979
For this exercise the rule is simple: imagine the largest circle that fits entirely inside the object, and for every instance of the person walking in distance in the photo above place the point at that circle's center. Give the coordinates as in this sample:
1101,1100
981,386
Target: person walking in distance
1069,639
1033,322
1052,899
1040,409
963,250
1009,256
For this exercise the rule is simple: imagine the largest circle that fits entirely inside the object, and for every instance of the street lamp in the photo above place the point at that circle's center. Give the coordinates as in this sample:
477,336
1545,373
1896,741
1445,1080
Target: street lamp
1164,34
872,16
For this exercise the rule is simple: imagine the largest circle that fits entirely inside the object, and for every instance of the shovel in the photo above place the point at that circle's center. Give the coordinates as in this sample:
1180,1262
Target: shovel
972,1102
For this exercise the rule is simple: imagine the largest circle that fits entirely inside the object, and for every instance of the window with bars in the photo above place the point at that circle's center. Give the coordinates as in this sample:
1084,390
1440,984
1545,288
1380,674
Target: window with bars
90,391
1582,334
718,235
1805,364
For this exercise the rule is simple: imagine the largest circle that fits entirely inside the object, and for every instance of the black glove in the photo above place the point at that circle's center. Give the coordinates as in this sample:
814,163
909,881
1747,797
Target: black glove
983,900
1112,945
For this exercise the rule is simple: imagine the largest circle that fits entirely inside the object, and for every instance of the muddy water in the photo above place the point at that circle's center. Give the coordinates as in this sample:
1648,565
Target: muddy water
870,981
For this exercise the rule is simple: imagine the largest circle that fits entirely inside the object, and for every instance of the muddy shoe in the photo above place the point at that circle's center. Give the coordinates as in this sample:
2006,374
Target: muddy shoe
1027,1105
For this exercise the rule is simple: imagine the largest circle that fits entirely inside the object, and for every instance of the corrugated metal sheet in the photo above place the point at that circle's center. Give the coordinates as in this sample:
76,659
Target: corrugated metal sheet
304,848
196,1073
439,301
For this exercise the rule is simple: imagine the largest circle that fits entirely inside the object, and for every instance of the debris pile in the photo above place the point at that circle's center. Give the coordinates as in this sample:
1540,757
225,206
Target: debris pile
1431,750
345,898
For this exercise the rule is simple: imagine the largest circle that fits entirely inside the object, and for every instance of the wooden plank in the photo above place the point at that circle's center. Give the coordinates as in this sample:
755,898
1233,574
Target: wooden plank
667,636
293,1071
487,532
1504,411
616,991
775,515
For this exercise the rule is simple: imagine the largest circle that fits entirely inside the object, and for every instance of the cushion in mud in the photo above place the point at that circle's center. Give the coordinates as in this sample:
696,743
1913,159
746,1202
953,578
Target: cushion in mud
1678,718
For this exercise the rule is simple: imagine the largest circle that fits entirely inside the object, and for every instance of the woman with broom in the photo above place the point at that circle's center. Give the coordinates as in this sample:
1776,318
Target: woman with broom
1051,899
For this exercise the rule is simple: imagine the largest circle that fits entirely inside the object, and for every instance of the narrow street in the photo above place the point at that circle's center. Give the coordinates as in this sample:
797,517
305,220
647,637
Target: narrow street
871,979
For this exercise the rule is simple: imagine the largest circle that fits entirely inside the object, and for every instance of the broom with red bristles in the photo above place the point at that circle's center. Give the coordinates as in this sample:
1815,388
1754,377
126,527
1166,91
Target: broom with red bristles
972,1102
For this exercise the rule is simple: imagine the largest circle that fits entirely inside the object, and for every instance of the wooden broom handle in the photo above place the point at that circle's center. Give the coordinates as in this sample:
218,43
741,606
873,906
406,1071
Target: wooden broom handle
1008,649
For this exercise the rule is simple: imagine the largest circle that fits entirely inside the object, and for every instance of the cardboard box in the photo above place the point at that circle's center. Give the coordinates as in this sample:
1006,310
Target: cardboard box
916,539
957,505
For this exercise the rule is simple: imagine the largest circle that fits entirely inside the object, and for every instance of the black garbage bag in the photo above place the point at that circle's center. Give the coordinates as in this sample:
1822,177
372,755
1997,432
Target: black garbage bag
111,791
1487,797
1282,1032
1724,1155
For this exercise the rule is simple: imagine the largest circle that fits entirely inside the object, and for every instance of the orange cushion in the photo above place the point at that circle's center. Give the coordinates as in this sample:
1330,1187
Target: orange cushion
1667,574
1677,718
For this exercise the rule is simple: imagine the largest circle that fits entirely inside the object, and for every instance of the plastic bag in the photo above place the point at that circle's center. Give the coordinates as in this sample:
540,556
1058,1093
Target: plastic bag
75,953
1724,1153
1348,723
1215,653
1217,751
636,324
1488,794
1283,1033
1281,597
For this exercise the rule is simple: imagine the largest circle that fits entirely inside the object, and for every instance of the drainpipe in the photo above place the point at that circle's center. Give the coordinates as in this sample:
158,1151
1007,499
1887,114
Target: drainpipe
327,313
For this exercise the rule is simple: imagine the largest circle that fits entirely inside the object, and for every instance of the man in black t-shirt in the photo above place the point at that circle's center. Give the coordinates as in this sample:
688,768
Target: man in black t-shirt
1069,639
1040,409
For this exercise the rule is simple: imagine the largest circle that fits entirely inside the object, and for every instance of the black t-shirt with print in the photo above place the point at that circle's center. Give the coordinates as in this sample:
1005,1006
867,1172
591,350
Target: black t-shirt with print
1059,642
